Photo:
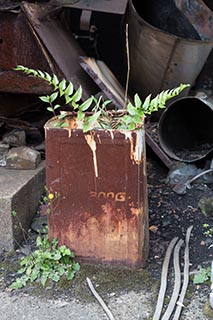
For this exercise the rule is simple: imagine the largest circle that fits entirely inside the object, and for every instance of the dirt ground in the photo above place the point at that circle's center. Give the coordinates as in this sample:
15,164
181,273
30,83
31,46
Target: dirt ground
172,214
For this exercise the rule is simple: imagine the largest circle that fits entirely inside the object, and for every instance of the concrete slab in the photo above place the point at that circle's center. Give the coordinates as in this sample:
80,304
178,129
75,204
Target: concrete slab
20,192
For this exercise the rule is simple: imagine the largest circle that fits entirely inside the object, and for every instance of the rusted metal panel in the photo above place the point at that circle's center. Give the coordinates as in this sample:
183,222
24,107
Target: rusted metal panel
61,45
160,59
110,6
199,15
18,46
102,211
13,82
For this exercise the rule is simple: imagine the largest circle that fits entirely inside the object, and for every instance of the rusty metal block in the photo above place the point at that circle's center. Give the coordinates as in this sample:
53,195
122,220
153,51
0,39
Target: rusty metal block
101,209
18,46
60,45
26,39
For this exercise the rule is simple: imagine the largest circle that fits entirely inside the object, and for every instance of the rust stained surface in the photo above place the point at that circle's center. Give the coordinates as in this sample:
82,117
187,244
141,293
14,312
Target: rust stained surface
60,44
199,15
18,46
102,211
166,49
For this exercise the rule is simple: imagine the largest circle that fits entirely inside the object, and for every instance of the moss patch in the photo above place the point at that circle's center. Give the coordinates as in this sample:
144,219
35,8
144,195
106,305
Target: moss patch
106,280
207,310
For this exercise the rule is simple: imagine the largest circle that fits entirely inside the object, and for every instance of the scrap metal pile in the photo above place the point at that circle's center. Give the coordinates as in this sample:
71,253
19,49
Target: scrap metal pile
85,42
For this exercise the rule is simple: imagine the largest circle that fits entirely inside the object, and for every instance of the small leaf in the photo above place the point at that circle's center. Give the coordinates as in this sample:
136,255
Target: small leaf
202,275
53,96
90,121
105,103
75,105
40,73
48,77
68,99
56,106
44,278
64,125
57,256
69,89
77,96
56,124
137,101
146,103
62,86
80,115
131,126
55,81
131,109
86,127
62,115
18,284
34,275
86,104
22,270
38,241
50,109
45,98
127,119
19,68
14,213
70,275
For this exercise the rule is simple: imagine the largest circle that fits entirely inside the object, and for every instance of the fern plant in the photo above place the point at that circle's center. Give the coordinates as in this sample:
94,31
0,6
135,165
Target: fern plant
129,119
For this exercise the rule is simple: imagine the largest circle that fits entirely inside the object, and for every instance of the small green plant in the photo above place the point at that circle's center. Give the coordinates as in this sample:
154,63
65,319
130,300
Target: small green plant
14,213
203,275
208,230
130,118
51,199
49,261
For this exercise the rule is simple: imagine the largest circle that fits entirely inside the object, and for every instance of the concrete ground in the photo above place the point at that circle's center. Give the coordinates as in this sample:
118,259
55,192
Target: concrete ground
129,306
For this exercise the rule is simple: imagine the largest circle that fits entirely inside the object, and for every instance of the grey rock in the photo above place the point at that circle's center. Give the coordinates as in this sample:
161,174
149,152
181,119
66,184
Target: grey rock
181,173
23,158
206,206
15,138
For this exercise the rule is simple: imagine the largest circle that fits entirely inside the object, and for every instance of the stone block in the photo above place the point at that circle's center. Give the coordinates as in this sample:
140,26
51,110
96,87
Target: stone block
20,193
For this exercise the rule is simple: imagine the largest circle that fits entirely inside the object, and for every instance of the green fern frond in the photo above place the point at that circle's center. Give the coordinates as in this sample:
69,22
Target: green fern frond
131,119
160,100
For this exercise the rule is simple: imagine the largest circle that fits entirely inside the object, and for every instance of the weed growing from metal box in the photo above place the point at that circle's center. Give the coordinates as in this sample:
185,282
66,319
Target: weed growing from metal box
130,118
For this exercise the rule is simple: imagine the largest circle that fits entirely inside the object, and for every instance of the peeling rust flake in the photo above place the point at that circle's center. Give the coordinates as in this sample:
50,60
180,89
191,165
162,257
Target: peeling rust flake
92,144
136,149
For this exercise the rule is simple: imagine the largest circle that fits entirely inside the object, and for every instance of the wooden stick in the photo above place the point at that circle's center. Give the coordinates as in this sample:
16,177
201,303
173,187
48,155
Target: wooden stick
163,286
177,285
128,68
100,300
186,276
